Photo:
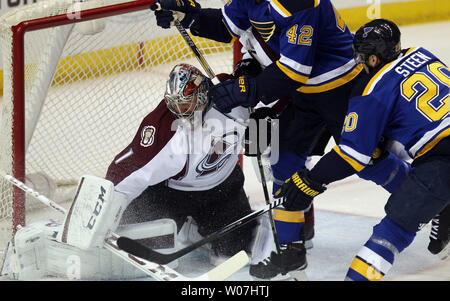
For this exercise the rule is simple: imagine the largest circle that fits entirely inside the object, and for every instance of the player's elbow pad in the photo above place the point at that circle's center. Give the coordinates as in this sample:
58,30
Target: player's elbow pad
209,25
273,84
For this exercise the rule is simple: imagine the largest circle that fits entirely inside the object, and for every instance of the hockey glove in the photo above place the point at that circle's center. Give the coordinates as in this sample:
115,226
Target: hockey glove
236,92
166,11
247,67
299,191
262,118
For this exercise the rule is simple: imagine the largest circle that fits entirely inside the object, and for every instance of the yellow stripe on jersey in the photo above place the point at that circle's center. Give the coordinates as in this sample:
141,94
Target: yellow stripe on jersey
432,143
365,270
333,84
355,164
229,31
288,216
295,76
375,78
285,11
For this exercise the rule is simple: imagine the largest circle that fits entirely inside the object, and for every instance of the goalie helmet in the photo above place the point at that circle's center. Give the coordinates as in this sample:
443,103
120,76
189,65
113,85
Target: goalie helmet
186,91
380,37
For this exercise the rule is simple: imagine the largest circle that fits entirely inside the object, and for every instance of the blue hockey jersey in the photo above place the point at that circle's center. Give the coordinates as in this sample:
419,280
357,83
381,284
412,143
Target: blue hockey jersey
314,44
406,101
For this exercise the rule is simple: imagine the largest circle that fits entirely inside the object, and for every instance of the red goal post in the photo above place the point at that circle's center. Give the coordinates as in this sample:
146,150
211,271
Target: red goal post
78,78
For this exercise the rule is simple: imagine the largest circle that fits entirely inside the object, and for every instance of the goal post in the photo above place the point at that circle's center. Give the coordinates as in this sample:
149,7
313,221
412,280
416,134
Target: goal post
78,77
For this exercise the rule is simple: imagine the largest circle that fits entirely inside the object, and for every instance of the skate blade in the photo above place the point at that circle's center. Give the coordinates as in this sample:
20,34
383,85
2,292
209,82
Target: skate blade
297,275
309,244
445,253
279,277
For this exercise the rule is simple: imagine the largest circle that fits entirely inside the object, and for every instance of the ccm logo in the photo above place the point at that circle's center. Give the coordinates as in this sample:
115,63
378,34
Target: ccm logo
97,209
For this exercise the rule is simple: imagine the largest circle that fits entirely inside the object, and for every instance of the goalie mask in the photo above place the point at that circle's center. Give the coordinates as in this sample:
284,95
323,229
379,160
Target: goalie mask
186,91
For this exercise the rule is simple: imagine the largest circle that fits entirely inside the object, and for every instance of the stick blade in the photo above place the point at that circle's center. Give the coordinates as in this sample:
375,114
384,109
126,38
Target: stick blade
135,248
228,268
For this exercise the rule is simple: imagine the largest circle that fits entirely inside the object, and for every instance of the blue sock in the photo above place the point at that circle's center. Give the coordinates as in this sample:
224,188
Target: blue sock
377,255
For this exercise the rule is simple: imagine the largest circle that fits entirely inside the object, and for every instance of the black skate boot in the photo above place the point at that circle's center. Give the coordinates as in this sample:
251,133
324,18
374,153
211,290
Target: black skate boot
288,265
440,234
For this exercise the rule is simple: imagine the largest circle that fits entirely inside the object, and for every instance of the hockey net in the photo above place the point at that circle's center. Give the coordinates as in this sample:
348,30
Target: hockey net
91,71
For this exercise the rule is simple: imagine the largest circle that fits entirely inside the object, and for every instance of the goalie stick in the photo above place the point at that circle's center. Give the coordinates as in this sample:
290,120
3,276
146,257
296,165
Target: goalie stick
155,270
142,251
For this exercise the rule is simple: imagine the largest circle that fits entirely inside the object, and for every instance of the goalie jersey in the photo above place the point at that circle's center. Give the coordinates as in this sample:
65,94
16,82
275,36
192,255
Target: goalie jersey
406,101
188,158
293,34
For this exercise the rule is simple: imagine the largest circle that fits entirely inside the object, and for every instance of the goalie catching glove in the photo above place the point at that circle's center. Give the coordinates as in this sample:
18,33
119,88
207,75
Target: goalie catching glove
299,191
166,11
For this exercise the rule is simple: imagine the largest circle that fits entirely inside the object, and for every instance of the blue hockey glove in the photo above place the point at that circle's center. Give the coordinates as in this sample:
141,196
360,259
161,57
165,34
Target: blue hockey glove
233,93
247,67
299,191
186,11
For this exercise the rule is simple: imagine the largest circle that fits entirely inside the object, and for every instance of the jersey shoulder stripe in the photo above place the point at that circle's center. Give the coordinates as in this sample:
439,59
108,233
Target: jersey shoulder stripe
384,70
287,8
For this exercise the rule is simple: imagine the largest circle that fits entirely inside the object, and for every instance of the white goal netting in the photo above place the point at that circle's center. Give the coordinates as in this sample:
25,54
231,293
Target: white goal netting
86,88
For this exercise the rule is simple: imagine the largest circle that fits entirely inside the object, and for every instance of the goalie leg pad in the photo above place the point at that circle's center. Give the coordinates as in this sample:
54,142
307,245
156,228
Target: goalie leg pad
95,212
34,254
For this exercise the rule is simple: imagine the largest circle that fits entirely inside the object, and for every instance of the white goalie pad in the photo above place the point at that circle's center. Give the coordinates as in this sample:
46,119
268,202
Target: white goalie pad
34,254
95,212
263,243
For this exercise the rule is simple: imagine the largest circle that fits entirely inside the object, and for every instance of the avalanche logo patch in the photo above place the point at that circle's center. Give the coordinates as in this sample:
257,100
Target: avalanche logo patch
221,150
148,135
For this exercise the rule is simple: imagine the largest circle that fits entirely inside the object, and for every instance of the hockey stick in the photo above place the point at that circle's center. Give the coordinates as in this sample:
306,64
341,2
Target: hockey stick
142,251
201,59
266,195
155,270
187,38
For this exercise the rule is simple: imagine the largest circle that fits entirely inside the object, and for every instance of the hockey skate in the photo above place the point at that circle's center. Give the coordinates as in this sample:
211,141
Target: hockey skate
440,234
289,265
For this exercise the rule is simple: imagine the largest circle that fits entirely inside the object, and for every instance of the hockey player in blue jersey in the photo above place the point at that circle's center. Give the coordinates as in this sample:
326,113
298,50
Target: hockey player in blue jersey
405,99
305,50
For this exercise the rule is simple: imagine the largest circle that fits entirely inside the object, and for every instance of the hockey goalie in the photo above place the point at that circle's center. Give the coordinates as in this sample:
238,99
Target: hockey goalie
177,181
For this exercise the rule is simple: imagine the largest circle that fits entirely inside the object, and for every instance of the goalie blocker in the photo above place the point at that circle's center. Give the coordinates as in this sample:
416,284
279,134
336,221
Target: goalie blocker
95,212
